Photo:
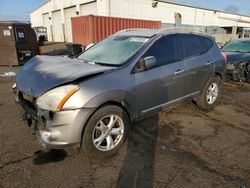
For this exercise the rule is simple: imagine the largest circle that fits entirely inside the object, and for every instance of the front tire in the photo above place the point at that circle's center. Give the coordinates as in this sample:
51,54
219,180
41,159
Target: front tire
105,132
210,94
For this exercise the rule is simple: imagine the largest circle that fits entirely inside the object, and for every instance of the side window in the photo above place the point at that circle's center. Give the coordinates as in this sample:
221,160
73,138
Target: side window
207,43
191,45
164,50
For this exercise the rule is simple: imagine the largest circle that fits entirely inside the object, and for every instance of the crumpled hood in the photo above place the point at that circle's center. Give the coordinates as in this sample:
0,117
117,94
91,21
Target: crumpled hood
42,73
237,56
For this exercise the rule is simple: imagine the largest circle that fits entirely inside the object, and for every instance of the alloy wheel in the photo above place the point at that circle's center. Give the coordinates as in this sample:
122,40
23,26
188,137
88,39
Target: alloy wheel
108,132
212,93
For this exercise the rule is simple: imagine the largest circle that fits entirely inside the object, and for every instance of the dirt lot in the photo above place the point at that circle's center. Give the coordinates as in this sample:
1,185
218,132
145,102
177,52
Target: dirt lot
184,147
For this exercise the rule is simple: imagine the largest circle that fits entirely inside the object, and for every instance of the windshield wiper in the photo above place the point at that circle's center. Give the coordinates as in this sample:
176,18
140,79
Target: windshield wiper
85,61
97,63
106,64
91,62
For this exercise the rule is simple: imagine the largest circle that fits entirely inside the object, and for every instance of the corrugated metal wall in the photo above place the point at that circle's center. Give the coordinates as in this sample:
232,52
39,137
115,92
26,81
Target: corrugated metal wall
90,29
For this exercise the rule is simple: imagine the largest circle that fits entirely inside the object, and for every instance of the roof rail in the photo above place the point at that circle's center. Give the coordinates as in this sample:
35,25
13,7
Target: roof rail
184,29
194,30
133,29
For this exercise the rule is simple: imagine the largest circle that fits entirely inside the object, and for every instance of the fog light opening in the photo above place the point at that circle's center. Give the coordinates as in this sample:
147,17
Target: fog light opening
51,115
54,135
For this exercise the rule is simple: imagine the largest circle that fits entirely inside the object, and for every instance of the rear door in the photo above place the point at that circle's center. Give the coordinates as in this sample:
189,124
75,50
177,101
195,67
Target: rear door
198,62
162,85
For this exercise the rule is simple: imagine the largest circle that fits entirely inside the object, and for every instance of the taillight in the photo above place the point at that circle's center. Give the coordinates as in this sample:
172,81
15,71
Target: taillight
224,56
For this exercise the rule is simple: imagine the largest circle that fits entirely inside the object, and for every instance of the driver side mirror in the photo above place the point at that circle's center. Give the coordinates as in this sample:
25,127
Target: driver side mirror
146,64
150,62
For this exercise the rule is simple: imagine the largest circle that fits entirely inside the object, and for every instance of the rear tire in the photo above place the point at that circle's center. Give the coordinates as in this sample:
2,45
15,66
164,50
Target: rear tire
105,132
210,94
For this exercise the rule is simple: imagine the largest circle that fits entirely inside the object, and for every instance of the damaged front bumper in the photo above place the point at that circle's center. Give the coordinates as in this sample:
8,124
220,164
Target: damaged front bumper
57,131
54,130
238,71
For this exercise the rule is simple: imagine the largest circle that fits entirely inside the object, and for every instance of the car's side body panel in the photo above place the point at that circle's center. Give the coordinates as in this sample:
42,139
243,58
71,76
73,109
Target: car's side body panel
140,93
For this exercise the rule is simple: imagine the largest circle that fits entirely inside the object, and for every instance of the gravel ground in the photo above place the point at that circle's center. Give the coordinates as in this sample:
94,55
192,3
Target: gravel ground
182,147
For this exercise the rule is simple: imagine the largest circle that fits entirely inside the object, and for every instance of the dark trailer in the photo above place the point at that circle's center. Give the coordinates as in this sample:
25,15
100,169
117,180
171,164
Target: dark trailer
17,42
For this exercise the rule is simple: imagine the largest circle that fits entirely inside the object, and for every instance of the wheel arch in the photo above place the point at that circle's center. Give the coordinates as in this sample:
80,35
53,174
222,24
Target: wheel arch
117,102
218,74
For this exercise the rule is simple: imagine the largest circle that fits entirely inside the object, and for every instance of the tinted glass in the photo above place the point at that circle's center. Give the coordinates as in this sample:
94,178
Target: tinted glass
207,43
114,50
191,45
237,46
164,50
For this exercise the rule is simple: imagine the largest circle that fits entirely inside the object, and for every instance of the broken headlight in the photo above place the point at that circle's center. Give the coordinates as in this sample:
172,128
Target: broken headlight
55,99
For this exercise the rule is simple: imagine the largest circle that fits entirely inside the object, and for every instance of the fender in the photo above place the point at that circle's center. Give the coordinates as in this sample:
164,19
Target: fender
121,97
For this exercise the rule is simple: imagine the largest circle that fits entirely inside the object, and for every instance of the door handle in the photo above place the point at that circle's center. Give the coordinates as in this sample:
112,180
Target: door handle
209,62
179,71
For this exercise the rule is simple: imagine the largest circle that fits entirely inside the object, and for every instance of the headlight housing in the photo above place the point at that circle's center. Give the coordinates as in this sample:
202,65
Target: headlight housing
54,99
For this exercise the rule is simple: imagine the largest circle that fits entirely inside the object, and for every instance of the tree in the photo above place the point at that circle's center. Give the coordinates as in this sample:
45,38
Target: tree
232,9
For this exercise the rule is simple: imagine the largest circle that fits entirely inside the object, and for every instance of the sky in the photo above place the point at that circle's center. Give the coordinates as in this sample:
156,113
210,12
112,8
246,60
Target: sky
241,6
20,9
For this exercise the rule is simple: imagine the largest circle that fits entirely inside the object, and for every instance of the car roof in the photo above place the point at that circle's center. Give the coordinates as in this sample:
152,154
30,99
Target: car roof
152,32
15,22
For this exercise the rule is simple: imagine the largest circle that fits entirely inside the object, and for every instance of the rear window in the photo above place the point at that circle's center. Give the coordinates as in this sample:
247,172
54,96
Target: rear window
207,43
237,46
191,45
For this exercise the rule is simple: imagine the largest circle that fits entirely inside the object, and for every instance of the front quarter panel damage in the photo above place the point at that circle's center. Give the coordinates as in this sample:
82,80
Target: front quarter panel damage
238,71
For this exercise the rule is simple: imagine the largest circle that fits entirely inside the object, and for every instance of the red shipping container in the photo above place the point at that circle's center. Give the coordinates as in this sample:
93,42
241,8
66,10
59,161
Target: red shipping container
91,29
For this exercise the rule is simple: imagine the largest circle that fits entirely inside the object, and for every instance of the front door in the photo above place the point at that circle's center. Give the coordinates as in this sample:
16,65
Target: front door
163,84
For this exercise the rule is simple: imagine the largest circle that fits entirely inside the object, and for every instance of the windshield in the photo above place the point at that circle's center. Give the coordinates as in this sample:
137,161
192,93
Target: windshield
237,46
114,50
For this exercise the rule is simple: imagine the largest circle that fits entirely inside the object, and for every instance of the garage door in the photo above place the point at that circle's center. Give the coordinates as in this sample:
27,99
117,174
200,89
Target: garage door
90,8
46,23
69,12
57,27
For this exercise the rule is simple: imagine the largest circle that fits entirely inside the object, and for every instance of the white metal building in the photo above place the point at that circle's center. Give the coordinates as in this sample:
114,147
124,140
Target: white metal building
56,15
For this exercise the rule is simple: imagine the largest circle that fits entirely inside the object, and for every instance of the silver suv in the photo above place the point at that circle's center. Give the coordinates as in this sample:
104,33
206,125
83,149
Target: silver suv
93,99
